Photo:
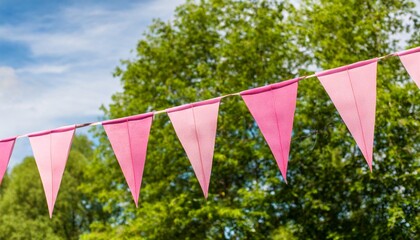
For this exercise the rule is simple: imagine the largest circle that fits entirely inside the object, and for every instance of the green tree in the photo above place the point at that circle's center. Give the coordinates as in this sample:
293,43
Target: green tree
24,212
216,47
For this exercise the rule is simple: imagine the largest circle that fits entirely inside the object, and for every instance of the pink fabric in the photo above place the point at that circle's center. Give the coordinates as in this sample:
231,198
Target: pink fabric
6,148
353,92
129,137
51,150
411,61
196,124
273,108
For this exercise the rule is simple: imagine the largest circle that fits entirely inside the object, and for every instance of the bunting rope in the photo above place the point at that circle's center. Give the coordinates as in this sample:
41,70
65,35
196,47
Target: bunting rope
351,88
82,125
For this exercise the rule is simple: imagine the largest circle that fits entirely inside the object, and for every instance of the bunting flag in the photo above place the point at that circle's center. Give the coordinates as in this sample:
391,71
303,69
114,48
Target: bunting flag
411,61
51,149
196,124
129,137
273,108
352,89
6,148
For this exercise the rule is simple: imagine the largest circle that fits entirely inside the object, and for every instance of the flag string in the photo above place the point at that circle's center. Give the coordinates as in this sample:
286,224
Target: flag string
223,96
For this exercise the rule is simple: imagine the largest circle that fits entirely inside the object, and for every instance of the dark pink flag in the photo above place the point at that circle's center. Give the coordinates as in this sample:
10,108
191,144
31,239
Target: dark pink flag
6,148
411,61
129,137
51,150
273,108
196,124
352,89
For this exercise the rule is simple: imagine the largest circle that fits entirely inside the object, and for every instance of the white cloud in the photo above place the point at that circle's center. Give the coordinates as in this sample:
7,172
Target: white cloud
44,69
7,78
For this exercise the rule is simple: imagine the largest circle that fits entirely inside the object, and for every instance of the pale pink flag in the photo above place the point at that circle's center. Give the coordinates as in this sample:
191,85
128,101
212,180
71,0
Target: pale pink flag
411,61
352,89
273,108
6,148
129,137
51,149
196,124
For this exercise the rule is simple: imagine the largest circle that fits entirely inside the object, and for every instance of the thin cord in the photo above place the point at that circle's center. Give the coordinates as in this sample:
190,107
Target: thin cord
223,96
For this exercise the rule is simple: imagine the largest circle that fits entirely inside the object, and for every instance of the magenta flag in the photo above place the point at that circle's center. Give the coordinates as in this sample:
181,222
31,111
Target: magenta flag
51,150
196,124
411,61
352,89
129,137
273,108
6,148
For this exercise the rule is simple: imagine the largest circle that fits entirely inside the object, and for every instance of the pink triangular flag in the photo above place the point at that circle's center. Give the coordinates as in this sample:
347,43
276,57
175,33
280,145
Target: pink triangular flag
411,61
129,137
196,124
352,89
273,108
6,148
51,149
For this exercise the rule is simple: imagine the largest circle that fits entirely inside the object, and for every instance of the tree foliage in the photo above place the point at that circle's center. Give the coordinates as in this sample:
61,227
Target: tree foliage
213,48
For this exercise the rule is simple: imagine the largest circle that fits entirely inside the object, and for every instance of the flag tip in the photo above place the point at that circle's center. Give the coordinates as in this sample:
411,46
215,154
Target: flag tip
284,177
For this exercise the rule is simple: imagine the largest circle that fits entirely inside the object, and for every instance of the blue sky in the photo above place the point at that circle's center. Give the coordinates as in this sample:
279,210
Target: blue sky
57,59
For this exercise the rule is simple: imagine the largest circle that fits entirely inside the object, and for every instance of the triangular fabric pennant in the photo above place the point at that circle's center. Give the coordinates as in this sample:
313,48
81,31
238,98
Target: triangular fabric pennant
51,149
129,138
411,61
196,124
6,148
352,89
273,108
